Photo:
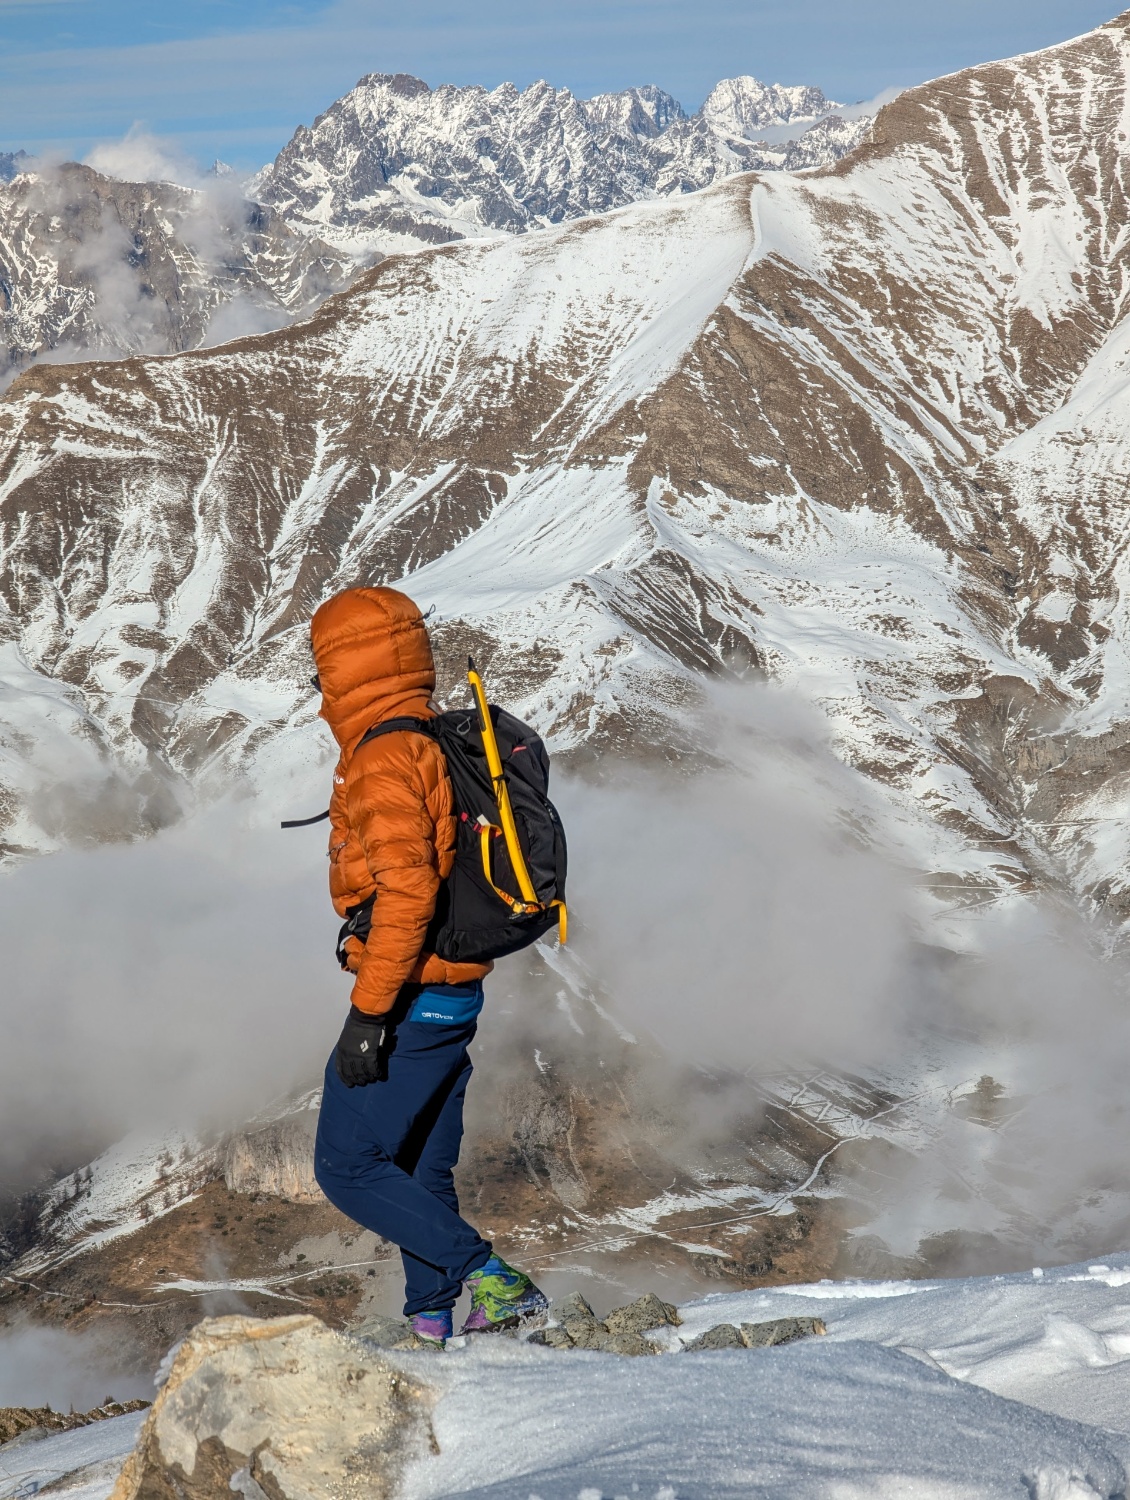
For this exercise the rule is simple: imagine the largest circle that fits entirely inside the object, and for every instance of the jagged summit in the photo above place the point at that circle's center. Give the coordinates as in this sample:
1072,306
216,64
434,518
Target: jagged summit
644,112
742,107
394,162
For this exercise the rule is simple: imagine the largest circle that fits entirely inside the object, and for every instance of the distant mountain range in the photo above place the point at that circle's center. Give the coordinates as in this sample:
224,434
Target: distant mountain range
92,266
394,163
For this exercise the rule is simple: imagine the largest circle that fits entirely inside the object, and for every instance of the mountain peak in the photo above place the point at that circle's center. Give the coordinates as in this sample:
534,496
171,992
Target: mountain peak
400,85
645,112
741,107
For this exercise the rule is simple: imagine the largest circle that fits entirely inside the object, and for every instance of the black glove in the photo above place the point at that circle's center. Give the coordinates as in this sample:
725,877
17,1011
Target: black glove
360,1055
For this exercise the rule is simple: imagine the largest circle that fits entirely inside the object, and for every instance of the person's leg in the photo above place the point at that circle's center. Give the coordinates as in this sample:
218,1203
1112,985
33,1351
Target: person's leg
364,1133
432,1163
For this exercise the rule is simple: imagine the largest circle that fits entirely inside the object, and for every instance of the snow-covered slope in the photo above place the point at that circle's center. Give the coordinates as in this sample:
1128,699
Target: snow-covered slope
394,164
1057,1339
779,423
999,1386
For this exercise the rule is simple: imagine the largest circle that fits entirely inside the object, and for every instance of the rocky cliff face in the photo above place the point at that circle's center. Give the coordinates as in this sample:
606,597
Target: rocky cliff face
394,163
90,265
860,431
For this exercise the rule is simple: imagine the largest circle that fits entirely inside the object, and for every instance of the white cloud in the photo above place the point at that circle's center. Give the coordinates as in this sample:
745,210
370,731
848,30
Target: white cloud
141,156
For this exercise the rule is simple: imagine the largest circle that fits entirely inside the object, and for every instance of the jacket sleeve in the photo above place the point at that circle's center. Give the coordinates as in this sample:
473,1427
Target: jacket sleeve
349,875
388,807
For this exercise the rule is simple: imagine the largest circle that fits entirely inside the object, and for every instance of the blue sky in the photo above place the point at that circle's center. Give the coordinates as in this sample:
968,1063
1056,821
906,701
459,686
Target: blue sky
234,79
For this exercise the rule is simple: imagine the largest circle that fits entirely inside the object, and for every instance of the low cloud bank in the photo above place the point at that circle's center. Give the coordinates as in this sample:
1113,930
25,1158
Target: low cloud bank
743,913
182,981
754,920
66,1371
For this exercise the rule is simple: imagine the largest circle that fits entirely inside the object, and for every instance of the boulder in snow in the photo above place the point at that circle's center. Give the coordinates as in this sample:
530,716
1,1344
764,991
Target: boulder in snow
576,1326
721,1336
780,1331
757,1335
282,1407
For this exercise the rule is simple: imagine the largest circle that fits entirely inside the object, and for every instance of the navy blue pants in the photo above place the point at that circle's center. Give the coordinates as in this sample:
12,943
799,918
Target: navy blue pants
385,1155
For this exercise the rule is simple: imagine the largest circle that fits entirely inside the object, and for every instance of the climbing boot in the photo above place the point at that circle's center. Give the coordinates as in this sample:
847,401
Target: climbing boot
433,1327
501,1298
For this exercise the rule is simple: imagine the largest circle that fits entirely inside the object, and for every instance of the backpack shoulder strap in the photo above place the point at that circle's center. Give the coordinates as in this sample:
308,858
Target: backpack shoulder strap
391,726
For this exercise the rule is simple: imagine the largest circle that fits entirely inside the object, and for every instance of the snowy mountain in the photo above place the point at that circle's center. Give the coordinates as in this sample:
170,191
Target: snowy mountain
94,266
394,163
861,430
742,108
91,266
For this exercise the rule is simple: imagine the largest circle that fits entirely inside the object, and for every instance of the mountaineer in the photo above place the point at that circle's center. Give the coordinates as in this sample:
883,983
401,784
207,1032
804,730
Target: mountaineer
391,1119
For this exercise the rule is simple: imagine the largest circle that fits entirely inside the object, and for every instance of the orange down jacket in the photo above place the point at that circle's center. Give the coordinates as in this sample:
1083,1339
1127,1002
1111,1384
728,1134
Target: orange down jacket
392,819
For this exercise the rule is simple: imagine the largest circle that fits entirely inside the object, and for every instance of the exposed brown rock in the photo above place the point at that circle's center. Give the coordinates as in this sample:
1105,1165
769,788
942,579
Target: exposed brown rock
15,1420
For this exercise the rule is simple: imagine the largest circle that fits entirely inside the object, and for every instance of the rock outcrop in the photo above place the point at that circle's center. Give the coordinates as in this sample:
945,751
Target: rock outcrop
277,1409
275,1161
757,1335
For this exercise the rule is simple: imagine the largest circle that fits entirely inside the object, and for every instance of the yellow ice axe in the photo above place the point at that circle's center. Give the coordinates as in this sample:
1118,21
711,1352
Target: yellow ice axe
529,902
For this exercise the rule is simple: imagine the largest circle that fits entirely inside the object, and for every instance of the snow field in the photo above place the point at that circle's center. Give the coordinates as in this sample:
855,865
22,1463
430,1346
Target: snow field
82,1465
987,1387
970,1389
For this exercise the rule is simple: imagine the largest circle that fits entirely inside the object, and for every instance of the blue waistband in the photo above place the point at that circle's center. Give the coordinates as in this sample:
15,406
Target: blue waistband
447,1004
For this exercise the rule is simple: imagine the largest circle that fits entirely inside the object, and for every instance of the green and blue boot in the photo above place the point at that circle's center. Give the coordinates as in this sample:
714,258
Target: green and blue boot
501,1298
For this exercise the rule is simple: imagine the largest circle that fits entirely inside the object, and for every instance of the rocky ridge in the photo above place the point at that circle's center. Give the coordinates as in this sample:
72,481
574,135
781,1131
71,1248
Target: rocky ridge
95,267
394,163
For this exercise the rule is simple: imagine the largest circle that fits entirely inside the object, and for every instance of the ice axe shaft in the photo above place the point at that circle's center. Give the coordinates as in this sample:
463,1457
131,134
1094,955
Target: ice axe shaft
501,791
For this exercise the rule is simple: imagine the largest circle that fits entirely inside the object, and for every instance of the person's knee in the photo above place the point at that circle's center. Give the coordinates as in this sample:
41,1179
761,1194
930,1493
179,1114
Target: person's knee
437,1180
340,1166
326,1175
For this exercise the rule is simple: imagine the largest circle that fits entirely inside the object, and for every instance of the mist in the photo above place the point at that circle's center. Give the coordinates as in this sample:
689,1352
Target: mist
66,1371
745,915
758,917
177,259
177,982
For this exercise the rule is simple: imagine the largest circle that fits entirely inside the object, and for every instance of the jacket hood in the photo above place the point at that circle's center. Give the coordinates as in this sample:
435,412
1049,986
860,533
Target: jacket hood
374,661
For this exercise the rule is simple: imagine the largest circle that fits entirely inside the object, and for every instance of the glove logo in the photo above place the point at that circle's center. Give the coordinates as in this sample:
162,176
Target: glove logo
364,1047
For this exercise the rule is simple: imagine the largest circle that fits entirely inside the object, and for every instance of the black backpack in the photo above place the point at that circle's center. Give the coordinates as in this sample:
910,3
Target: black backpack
480,912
